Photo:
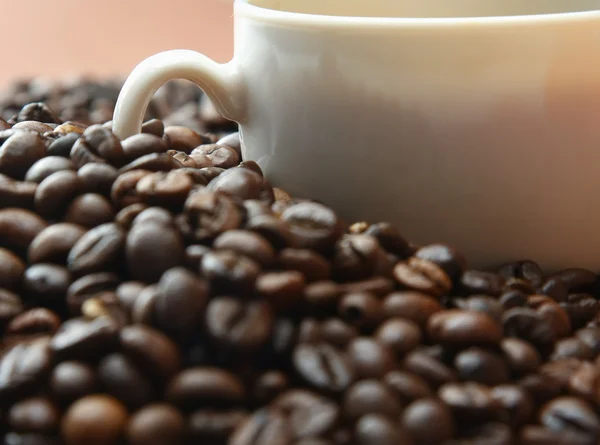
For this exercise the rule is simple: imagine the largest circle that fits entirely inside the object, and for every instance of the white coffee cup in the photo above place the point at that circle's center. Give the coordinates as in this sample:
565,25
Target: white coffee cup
472,122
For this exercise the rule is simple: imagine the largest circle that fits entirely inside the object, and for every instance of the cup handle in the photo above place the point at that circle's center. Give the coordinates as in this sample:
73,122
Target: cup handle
221,82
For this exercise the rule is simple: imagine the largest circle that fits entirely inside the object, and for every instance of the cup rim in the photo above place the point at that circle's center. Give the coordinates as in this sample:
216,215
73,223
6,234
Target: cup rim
243,8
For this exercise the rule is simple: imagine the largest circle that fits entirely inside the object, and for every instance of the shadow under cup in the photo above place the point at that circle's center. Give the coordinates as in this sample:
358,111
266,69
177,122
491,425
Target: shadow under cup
428,8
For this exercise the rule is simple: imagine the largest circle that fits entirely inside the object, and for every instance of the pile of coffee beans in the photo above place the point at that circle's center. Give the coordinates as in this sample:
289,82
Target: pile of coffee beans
159,290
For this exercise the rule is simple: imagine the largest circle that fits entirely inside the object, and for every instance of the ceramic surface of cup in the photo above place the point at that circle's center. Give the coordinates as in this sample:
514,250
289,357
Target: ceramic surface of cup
476,125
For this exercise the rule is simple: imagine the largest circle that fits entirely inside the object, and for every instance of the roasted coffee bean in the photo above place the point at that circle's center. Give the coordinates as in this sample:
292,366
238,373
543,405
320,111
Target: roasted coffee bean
517,403
142,311
422,276
79,338
35,126
482,283
555,288
560,370
12,269
410,305
283,290
481,303
97,178
430,369
458,328
570,414
143,144
246,243
521,356
313,226
541,388
46,167
126,215
180,303
537,435
221,156
362,310
275,230
15,193
370,396
526,270
18,228
38,112
313,266
206,215
208,424
428,422
408,387
322,296
199,386
89,210
556,316
151,250
581,309
99,249
194,254
310,331
71,380
232,140
572,348
123,191
585,382
89,286
400,334
229,272
242,183
338,333
264,427
94,420
369,358
252,165
591,337
37,322
482,366
154,215
356,257
576,280
22,368
239,324
188,161
308,414
122,380
374,428
55,193
471,402
98,142
155,162
323,367
34,415
390,239
159,424
268,386
52,245
63,145
530,326
491,432
153,126
183,139
513,298
10,306
206,174
448,259
19,152
168,190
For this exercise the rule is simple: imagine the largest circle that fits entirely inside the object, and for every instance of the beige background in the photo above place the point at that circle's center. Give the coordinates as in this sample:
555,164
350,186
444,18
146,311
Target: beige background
58,38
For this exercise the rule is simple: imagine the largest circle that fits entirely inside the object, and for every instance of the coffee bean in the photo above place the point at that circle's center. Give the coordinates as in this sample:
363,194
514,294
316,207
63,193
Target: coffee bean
15,193
10,306
205,386
423,276
242,183
529,326
246,243
194,254
126,215
180,304
11,269
572,348
208,424
123,191
411,305
308,414
313,226
206,174
570,414
448,259
19,152
310,331
78,338
581,309
89,286
122,380
283,290
555,288
555,315
585,382
370,396
430,369
481,303
94,420
207,214
155,162
168,190
338,333
591,337
97,178
63,145
313,266
517,403
142,311
520,356
153,126
484,283
71,380
221,156
576,280
479,365
471,402
53,244
238,324
369,358
356,257
276,231
18,228
229,272
401,335
55,193
39,111
527,270
33,323
491,432
151,250
374,428
159,424
89,210
154,215
34,415
22,368
537,435
98,143
560,370
457,328
428,421
407,387
252,165
390,239
99,249
323,367
183,139
541,388
35,126
264,427
143,144
362,310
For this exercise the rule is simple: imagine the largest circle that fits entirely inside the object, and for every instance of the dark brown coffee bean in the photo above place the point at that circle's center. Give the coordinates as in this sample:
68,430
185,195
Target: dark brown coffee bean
370,396
38,111
526,270
199,386
408,387
570,414
19,152
194,254
560,370
180,303
323,367
362,310
154,215
150,350
313,226
517,403
186,160
71,381
155,162
521,356
308,414
283,290
518,284
22,368
581,309
122,380
401,335
576,280
530,326
12,269
377,429
338,333
94,420
233,140
229,272
479,365
207,215
541,388
89,286
53,244
126,215
313,266
221,156
513,298
37,322
239,324
471,402
322,296
411,305
154,126
591,337
15,193
428,422
423,276
369,358
572,348
556,316
78,338
46,167
275,230
458,328
585,382
97,178
159,424
18,227
151,250
10,306
35,415
448,259
63,145
142,311
252,165
55,193
481,303
264,427
537,435
242,183
255,208
98,142
268,386
356,257
168,190
430,369
99,249
246,243
390,239
123,192
555,288
142,144
183,139
89,210
310,331
483,283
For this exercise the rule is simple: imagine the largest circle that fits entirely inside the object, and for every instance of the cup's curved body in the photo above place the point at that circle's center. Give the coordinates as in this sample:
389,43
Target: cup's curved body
484,134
